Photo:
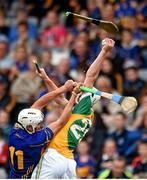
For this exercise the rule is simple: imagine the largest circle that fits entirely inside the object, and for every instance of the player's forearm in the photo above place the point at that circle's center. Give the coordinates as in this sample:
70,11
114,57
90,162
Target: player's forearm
43,101
49,83
61,100
95,68
70,104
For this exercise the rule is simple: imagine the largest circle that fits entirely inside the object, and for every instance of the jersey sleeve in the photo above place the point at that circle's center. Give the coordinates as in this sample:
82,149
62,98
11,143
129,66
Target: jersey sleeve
41,137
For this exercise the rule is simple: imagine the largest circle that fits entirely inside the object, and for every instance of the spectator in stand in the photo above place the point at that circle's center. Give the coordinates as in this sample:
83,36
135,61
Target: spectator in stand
141,123
139,164
5,124
142,104
22,16
125,139
93,10
85,163
54,112
142,17
105,107
20,62
142,24
79,25
46,60
109,153
5,60
39,8
128,47
139,38
26,88
62,71
107,12
73,6
4,29
84,36
132,24
126,8
116,78
3,155
7,100
97,136
23,37
54,35
81,56
93,43
80,76
118,170
132,83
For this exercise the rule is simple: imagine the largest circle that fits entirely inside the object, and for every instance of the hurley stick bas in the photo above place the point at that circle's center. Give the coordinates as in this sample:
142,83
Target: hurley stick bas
108,26
128,104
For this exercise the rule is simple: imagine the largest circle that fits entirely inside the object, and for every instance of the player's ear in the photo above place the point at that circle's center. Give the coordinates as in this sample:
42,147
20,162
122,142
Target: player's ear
29,128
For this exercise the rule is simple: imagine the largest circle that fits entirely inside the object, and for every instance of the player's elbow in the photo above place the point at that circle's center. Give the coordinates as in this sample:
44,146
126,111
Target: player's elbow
91,76
89,81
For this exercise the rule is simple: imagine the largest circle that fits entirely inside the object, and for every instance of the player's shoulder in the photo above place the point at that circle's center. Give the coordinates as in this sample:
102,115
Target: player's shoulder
49,130
16,130
43,131
17,137
48,133
40,137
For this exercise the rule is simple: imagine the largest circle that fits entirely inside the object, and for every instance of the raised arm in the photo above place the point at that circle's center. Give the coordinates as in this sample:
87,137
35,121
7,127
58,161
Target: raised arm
57,125
95,67
43,101
61,100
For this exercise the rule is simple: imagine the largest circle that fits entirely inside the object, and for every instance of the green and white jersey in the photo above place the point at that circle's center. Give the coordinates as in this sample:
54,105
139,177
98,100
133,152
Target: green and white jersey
67,139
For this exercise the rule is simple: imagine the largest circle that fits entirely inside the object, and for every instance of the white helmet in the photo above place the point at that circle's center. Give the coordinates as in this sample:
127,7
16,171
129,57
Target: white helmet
30,116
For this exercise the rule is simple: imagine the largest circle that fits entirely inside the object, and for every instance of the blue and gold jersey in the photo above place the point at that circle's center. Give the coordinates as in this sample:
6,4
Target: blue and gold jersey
25,151
86,168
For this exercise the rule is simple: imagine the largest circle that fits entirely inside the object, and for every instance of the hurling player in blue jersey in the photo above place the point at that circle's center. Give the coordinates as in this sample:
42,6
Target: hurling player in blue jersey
29,137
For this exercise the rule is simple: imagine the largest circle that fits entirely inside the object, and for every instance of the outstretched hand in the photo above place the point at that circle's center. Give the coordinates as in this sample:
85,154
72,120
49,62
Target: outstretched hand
107,44
69,85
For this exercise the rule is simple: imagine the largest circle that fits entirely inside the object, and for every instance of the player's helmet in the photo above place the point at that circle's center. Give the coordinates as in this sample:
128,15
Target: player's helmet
30,116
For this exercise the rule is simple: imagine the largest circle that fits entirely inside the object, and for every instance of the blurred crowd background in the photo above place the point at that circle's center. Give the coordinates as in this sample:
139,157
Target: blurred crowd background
116,146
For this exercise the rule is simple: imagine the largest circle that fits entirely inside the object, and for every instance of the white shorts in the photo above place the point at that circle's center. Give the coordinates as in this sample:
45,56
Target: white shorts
53,165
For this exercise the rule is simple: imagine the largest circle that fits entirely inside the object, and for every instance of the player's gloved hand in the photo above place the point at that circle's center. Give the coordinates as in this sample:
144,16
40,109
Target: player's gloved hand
69,85
107,44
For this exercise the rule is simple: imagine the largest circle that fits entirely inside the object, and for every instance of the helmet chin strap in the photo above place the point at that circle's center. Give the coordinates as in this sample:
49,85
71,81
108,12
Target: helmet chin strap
25,128
21,125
